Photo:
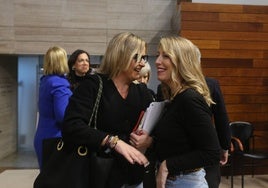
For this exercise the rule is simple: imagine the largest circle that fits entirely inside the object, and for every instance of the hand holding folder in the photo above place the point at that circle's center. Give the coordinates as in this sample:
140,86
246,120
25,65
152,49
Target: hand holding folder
138,122
149,118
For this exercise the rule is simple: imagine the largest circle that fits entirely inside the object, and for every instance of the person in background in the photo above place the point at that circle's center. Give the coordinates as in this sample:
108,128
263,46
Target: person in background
79,66
120,106
145,75
54,93
221,122
185,140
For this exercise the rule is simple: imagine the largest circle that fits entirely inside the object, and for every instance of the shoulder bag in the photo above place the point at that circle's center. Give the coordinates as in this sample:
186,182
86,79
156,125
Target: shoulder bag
73,167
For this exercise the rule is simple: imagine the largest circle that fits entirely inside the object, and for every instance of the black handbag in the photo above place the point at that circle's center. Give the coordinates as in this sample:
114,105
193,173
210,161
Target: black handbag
69,166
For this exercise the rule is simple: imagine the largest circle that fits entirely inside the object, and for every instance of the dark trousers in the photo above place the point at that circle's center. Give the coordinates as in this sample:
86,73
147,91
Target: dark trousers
213,176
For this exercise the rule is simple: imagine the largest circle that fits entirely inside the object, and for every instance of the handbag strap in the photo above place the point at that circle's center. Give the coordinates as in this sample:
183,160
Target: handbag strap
96,105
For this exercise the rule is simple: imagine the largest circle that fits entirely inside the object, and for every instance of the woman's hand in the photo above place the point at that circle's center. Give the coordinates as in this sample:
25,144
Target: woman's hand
141,140
162,174
130,153
224,157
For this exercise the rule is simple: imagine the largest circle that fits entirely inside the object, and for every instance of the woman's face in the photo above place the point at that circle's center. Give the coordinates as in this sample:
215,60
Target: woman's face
144,78
164,67
81,65
133,72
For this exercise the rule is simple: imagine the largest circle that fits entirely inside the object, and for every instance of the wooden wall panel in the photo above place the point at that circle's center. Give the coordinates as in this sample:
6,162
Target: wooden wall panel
204,7
233,53
235,72
233,40
260,63
243,17
217,26
240,36
199,16
247,45
226,63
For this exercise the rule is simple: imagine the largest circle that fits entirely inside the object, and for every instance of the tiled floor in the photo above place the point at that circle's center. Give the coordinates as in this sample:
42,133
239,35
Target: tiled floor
27,160
19,160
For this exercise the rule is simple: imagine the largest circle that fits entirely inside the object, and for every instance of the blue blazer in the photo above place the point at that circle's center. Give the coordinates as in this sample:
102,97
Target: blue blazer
54,93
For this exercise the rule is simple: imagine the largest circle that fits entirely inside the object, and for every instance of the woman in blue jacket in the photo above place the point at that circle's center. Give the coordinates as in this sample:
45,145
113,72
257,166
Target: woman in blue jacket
54,93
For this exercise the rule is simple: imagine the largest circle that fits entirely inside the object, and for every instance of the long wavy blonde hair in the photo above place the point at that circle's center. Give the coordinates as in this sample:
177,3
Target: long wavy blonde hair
185,57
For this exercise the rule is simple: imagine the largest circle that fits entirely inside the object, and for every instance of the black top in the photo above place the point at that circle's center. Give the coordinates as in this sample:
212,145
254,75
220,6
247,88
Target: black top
76,80
116,116
185,135
220,115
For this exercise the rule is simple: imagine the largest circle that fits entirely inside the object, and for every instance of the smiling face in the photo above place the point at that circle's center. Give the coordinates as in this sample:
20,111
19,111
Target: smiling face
133,71
81,65
164,67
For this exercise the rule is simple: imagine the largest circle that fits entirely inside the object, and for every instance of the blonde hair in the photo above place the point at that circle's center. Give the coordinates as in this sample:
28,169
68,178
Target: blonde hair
185,57
55,61
119,53
146,70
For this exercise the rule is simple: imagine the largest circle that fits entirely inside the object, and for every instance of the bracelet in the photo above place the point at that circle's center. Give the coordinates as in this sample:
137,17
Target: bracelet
114,141
111,141
108,140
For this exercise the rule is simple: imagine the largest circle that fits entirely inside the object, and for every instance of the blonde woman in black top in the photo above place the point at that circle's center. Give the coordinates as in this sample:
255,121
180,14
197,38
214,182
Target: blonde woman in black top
185,139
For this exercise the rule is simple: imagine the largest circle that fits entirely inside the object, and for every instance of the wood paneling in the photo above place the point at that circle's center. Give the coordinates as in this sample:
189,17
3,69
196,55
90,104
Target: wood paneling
243,17
233,53
237,99
220,26
226,63
233,40
221,35
205,7
236,73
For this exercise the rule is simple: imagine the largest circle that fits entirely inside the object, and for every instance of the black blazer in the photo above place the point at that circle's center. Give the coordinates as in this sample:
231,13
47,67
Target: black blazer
220,115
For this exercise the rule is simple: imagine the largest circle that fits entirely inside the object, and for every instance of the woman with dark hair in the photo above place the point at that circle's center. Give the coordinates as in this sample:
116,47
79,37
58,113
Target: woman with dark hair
79,66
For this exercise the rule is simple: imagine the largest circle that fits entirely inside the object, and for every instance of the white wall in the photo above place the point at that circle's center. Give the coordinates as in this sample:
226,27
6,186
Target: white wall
242,2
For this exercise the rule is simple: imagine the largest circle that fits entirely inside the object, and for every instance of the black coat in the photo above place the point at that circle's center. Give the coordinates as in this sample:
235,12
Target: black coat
116,116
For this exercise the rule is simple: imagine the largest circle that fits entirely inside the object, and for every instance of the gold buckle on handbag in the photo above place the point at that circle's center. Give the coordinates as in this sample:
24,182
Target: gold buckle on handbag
82,150
60,145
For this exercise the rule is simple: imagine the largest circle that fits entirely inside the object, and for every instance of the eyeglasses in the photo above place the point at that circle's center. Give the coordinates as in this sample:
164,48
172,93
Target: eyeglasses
143,58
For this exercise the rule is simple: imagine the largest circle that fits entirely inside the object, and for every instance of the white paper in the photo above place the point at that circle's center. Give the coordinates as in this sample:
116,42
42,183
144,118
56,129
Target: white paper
152,115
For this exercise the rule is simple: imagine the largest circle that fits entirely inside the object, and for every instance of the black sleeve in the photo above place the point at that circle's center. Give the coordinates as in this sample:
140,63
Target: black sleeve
75,125
220,116
159,94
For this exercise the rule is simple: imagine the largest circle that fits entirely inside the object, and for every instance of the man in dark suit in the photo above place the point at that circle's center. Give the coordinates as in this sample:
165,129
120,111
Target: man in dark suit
221,122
